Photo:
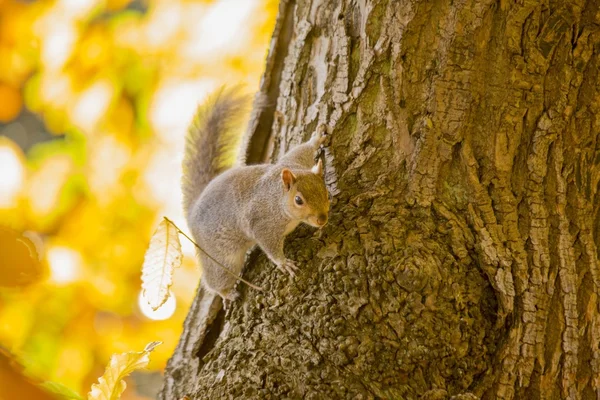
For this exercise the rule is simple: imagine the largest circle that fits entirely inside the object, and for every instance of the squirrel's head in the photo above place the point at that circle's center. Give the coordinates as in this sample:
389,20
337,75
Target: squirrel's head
306,196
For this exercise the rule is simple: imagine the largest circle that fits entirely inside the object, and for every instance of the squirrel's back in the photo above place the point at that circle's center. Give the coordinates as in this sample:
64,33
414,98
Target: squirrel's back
210,143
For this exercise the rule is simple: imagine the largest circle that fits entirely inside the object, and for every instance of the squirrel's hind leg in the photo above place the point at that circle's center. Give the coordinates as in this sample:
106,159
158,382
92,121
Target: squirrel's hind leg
217,280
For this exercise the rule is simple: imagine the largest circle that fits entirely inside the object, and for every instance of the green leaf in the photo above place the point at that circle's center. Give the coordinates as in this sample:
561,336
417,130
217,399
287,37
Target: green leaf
61,391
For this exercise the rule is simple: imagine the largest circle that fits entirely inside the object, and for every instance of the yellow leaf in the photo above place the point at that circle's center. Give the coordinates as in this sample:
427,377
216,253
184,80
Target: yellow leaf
20,264
163,255
110,386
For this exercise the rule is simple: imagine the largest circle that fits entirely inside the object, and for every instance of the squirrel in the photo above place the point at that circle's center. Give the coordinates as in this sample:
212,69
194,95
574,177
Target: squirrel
230,209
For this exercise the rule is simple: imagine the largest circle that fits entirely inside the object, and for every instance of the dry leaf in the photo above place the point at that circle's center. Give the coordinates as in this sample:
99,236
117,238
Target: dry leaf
163,255
20,265
110,386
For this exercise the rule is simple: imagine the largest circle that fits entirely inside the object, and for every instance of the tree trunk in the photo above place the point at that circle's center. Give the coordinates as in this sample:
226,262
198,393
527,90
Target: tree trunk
461,256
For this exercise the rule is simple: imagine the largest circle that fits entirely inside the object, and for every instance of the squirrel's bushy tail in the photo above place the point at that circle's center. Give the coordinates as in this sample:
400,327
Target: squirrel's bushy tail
211,142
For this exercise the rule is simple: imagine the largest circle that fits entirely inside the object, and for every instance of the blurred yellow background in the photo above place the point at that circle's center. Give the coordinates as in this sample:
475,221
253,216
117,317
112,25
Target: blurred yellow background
95,99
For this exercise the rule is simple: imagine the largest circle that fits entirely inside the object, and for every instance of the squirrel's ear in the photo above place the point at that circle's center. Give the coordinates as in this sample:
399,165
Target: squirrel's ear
288,179
318,168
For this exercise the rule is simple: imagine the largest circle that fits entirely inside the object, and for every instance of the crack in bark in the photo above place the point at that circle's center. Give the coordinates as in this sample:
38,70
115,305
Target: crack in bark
255,148
213,330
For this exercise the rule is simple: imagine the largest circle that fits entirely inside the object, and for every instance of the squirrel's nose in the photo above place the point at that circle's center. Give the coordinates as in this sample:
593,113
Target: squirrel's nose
322,219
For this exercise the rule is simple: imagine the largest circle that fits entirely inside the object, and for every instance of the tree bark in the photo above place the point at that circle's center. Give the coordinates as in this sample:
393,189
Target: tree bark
461,256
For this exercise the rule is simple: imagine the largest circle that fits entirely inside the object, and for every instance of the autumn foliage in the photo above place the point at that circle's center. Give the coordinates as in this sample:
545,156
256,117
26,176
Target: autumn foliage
95,98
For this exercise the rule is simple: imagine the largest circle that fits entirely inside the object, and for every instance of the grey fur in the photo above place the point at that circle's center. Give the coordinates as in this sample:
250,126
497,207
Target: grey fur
246,205
210,143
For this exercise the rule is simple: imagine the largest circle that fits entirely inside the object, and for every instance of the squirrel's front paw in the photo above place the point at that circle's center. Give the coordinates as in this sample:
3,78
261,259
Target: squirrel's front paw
318,136
288,266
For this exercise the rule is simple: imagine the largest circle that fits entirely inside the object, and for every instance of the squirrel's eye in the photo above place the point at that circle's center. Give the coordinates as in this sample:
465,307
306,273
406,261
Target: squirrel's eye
298,200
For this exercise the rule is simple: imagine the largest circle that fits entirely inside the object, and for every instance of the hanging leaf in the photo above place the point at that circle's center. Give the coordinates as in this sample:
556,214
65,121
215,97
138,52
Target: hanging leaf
163,255
111,385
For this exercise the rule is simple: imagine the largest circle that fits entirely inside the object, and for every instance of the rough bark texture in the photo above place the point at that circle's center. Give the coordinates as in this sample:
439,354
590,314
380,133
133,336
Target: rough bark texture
461,257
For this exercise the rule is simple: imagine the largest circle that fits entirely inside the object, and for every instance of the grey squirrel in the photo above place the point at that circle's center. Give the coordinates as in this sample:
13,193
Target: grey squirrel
230,210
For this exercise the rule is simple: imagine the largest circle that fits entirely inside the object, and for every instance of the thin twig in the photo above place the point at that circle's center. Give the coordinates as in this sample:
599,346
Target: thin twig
212,258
